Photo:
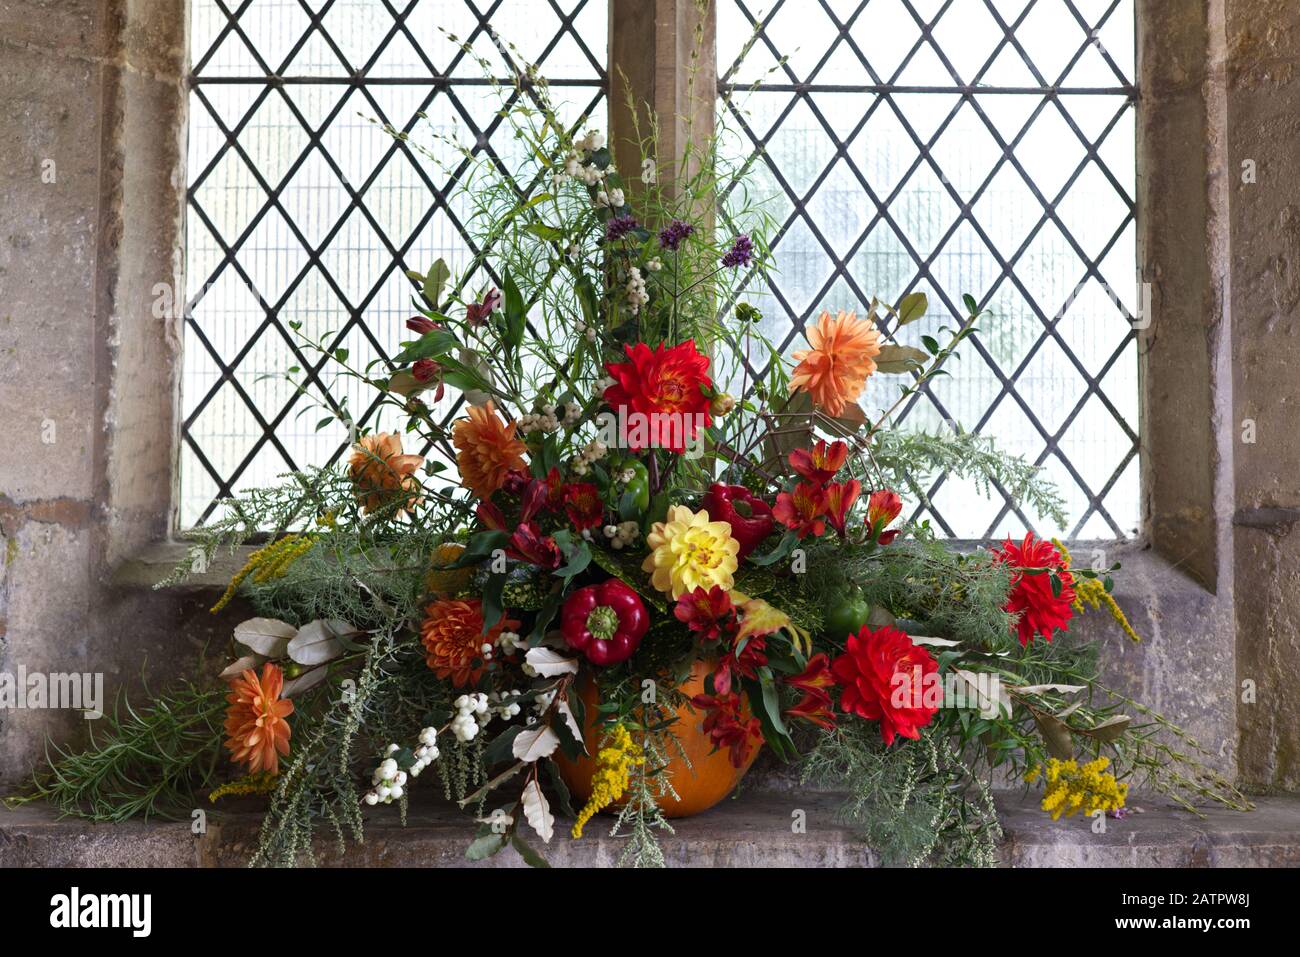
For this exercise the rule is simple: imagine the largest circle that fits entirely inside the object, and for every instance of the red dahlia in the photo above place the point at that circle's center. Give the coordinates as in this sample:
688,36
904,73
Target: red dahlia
1039,611
667,387
882,676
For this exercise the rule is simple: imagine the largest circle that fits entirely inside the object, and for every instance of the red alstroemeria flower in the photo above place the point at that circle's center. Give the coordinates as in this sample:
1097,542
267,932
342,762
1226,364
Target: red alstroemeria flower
478,312
421,325
528,544
802,510
746,664
554,489
516,482
535,497
883,506
425,370
666,388
815,708
490,516
815,681
840,497
725,727
816,678
1040,612
877,675
820,463
708,611
583,505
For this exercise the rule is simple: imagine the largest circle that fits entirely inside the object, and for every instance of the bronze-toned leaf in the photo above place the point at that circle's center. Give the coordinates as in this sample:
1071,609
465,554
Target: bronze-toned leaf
1110,729
894,359
1056,735
246,663
266,636
403,383
304,682
912,307
319,641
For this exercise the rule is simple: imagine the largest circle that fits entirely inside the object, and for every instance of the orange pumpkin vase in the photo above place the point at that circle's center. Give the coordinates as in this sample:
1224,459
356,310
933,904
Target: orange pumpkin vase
708,778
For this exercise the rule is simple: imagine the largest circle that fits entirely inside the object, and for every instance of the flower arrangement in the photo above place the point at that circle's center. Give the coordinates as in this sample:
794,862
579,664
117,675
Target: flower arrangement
642,528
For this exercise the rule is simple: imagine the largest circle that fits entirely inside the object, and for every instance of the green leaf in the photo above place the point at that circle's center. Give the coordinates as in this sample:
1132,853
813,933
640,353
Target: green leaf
432,345
501,747
545,232
787,545
484,846
972,307
492,606
627,510
479,548
912,307
765,708
562,795
587,298
516,316
545,615
434,281
530,856
577,563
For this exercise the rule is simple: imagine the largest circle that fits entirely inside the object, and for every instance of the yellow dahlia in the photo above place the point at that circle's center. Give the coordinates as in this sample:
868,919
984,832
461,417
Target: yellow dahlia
488,450
835,370
688,552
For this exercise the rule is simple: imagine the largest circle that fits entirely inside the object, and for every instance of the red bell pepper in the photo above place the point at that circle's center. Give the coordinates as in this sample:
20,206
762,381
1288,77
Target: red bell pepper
747,529
605,622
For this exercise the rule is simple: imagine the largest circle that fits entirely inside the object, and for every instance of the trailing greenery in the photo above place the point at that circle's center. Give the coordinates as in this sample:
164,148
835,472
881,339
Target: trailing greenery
914,803
140,762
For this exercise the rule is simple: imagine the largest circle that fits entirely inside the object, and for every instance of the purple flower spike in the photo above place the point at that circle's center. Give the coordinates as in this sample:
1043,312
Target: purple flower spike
619,226
672,235
741,252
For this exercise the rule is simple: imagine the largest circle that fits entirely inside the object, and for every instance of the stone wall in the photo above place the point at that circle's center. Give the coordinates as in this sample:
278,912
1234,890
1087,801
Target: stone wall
91,203
1262,85
92,110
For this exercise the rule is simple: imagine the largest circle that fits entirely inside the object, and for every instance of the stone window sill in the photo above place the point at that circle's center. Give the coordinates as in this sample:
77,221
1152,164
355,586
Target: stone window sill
752,830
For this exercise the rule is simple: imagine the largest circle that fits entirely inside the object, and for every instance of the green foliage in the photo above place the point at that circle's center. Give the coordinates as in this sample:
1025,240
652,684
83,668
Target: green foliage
145,762
914,803
913,460
642,816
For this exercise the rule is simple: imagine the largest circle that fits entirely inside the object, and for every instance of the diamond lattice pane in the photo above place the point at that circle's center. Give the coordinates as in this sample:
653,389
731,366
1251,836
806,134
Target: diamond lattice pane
968,146
301,210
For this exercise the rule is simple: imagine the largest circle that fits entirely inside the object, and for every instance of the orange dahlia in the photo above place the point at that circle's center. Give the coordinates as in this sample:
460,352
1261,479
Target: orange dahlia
488,450
255,726
835,370
453,636
381,474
